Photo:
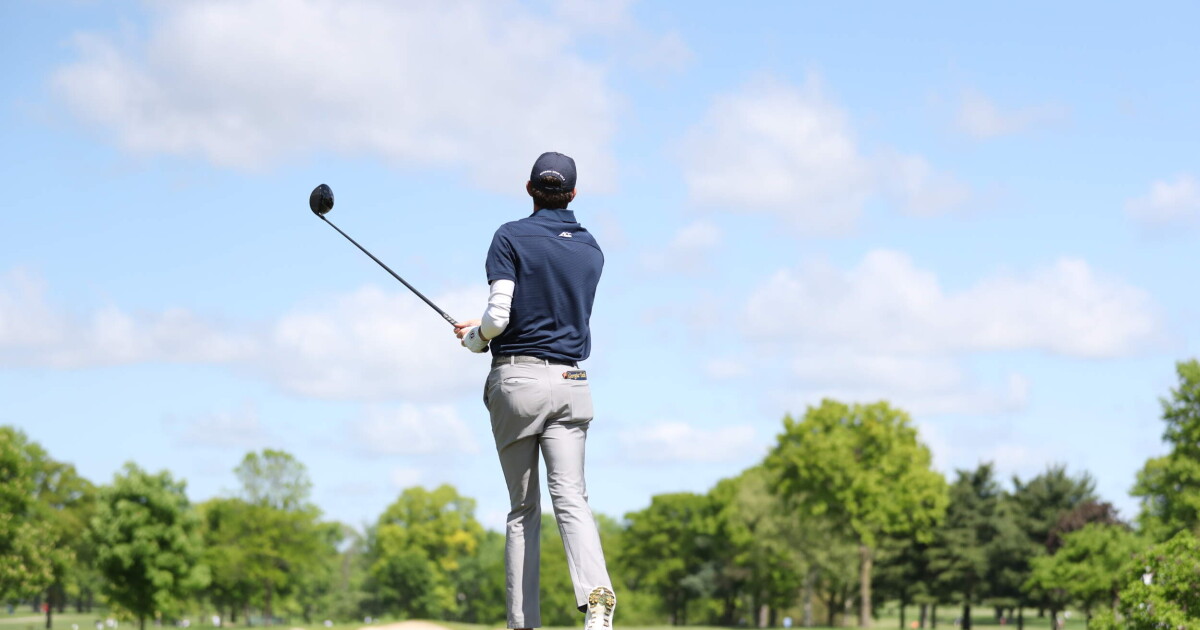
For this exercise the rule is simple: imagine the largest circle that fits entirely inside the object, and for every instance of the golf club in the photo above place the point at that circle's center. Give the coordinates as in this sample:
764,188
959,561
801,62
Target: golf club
321,202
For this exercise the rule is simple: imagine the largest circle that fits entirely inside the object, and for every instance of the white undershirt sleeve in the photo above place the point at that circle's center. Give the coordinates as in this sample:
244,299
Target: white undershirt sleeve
495,318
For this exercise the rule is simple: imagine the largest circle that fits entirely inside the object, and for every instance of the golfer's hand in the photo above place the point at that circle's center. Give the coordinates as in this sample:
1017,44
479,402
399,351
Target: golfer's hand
461,328
474,341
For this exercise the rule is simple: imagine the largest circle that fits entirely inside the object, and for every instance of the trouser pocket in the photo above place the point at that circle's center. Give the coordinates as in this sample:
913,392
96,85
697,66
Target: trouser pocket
520,391
580,399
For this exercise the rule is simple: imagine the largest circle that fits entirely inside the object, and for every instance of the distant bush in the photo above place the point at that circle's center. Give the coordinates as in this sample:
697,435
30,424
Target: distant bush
1163,589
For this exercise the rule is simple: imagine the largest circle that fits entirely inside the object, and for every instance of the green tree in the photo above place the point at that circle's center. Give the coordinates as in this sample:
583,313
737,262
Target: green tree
1161,589
1083,515
482,578
862,467
830,556
667,548
274,479
316,583
1090,567
902,572
1041,503
556,589
64,503
1008,555
147,543
224,523
269,546
960,556
764,550
418,550
1043,500
287,547
26,564
1169,486
339,592
638,607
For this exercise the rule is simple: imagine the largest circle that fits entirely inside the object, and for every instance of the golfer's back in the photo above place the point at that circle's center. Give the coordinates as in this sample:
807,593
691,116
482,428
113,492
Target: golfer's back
555,264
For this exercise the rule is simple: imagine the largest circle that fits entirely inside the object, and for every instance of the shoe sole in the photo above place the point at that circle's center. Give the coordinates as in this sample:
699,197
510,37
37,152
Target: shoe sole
606,599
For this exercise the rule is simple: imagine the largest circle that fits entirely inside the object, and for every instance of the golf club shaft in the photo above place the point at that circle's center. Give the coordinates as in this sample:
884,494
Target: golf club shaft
395,275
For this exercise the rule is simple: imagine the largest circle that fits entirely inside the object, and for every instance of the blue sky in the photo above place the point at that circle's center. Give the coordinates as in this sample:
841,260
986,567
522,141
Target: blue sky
985,215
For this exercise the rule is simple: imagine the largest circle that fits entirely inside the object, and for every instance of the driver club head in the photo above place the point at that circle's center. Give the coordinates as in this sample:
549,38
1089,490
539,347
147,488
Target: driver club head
321,200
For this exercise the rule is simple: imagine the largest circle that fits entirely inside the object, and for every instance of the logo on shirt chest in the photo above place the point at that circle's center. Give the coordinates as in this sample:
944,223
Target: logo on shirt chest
565,235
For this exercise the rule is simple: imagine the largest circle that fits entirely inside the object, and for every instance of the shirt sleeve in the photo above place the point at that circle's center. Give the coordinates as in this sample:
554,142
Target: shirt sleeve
495,318
501,261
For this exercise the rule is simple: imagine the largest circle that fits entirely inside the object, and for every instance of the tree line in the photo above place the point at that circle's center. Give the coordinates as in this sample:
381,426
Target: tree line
844,515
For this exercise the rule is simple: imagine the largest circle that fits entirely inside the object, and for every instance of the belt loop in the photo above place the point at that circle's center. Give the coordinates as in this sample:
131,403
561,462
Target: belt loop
512,359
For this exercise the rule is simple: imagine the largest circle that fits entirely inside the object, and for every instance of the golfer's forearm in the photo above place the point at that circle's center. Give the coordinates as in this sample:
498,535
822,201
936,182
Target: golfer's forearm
495,318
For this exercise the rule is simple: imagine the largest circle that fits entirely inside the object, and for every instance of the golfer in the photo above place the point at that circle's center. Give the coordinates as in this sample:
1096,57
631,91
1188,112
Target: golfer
543,272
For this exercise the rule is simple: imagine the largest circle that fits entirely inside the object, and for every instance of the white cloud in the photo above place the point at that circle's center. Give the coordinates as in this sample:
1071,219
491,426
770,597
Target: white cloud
779,149
889,305
688,250
915,374
982,119
409,429
403,478
949,391
922,190
252,84
643,49
696,237
241,428
608,229
366,345
595,15
940,445
351,489
725,368
682,442
886,329
791,151
372,345
1169,203
36,332
1019,458
959,445
664,52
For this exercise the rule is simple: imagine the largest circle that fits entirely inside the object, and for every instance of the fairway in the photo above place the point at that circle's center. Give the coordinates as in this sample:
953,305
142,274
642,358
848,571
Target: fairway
23,619
86,621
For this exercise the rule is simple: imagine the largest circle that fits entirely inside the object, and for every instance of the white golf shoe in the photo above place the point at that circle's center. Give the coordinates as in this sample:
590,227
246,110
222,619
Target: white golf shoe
601,603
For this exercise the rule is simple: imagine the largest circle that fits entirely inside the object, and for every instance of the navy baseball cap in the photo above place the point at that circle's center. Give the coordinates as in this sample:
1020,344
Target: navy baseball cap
553,173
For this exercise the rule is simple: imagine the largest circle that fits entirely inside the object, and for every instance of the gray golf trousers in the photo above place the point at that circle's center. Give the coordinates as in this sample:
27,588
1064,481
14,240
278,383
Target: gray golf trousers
543,407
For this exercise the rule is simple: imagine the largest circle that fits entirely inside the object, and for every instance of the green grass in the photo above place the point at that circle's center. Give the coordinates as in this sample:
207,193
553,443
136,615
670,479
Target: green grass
980,620
24,619
454,625
945,622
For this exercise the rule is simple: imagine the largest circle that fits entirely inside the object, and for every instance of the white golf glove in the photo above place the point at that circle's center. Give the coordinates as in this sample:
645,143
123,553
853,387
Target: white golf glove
474,341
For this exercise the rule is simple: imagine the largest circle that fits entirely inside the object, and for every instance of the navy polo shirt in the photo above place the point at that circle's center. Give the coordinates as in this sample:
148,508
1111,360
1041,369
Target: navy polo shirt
555,264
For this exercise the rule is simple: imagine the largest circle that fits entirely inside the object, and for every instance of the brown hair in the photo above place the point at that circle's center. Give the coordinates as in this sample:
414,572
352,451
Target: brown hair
550,200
